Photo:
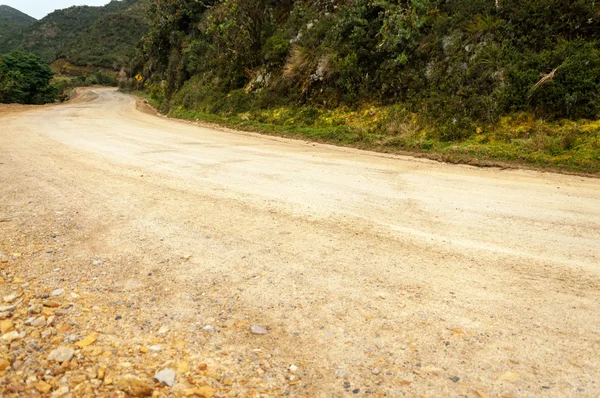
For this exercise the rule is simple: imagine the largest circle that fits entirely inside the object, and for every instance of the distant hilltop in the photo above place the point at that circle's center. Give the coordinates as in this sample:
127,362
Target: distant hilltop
103,36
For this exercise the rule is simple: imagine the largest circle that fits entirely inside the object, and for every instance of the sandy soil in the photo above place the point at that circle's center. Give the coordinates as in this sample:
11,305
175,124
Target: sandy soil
374,275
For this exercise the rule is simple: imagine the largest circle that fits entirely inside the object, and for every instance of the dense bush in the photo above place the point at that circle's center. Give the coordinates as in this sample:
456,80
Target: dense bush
460,64
25,79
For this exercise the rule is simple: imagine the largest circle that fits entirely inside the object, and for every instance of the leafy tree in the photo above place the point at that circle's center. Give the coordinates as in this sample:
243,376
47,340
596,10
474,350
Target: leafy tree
25,79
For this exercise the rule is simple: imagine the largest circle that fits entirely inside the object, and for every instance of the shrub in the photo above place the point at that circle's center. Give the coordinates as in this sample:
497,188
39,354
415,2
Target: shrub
25,79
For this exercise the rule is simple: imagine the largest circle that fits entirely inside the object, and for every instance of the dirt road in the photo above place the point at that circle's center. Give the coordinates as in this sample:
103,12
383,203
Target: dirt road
374,275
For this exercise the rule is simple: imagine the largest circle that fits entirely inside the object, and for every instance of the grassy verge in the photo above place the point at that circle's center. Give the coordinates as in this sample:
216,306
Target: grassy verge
518,140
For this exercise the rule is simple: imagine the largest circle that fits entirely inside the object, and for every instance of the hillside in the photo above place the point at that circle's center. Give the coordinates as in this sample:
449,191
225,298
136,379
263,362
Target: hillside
12,21
507,80
98,36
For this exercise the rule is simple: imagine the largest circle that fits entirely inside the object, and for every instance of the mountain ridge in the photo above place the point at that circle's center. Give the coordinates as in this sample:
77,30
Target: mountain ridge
101,36
12,21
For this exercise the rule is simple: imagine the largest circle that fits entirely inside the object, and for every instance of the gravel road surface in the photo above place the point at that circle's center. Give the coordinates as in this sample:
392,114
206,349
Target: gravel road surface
259,266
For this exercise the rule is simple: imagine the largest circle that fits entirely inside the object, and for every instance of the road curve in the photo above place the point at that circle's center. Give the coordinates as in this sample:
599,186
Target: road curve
389,275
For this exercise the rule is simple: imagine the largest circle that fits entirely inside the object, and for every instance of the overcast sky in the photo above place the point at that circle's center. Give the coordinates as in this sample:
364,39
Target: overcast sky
40,8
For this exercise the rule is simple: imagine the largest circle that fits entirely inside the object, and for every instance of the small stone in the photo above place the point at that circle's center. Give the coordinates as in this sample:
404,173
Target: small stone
61,354
60,392
101,373
206,392
155,348
341,372
293,368
10,298
455,379
57,293
43,387
51,304
255,329
163,330
11,336
7,308
74,295
118,318
96,262
16,387
4,364
182,367
509,376
376,371
202,392
208,328
4,315
355,391
90,339
166,376
39,322
132,385
202,367
35,309
6,326
143,350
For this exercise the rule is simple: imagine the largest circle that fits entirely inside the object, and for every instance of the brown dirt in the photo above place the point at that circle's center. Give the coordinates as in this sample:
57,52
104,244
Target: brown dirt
375,275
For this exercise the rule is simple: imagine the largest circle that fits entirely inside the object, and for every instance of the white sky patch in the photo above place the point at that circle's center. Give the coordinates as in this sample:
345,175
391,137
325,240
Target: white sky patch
40,8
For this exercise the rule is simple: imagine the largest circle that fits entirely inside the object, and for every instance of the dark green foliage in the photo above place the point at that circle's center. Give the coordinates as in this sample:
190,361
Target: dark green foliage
460,64
11,24
110,42
25,79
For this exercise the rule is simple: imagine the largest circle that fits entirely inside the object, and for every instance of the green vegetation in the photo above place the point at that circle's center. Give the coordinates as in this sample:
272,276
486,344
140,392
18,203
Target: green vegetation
514,80
96,36
11,23
25,79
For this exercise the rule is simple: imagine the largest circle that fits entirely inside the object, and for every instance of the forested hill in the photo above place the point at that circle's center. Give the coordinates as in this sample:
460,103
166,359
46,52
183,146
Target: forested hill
9,14
97,36
11,23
